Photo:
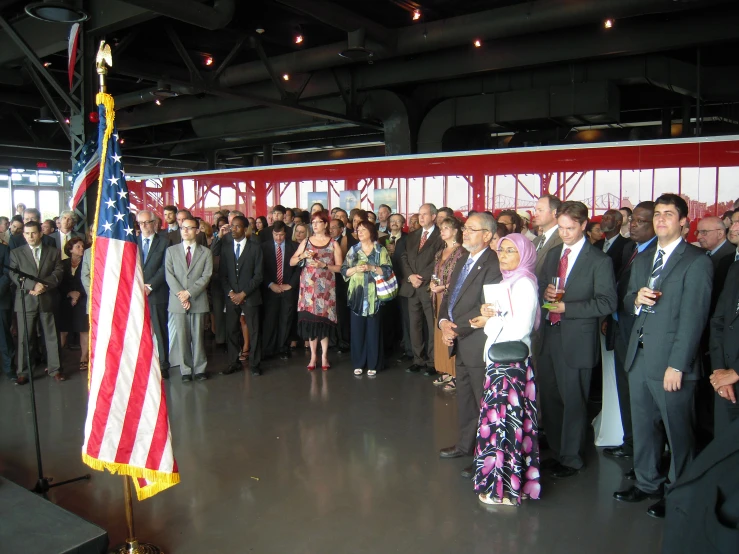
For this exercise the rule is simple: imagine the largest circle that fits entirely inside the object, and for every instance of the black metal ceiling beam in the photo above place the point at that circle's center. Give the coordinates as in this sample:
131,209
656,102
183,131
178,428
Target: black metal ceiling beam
125,69
339,17
49,100
195,75
276,79
229,58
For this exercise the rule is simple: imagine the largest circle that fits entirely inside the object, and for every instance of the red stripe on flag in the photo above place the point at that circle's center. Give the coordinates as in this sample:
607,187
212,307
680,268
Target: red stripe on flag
90,179
113,351
139,385
159,440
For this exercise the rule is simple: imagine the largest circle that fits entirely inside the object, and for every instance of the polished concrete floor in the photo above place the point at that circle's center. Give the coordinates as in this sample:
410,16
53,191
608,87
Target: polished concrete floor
293,462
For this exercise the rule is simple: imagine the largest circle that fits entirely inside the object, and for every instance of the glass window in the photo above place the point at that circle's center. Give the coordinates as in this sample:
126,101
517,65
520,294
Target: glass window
49,204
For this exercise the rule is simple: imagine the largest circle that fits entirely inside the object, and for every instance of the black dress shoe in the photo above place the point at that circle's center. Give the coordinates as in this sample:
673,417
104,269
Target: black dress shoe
657,510
201,376
563,471
451,452
549,463
187,378
430,372
468,472
233,368
284,356
630,475
543,442
635,494
165,374
256,372
413,369
618,452
21,380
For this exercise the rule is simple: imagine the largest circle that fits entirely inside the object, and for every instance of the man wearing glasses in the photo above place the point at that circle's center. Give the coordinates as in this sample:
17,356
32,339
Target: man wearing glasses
712,236
152,249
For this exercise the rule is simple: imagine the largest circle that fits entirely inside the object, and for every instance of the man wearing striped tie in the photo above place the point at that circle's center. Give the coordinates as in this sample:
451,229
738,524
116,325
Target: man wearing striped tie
671,295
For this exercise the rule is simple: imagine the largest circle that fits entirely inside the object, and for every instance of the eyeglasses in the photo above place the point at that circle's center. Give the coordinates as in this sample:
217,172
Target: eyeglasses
704,232
188,228
509,251
471,230
150,222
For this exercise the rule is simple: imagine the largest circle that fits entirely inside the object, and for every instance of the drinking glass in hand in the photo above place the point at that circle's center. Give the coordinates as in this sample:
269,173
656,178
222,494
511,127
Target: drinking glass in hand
655,286
559,292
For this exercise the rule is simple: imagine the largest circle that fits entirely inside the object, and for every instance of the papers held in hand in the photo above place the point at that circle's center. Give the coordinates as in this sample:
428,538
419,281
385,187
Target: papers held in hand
499,295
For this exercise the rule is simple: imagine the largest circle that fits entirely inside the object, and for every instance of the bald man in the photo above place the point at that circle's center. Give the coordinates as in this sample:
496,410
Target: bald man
712,236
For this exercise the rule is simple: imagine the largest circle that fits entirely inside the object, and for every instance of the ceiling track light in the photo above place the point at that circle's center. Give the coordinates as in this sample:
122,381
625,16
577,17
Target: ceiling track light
416,15
45,116
285,77
608,23
56,11
477,43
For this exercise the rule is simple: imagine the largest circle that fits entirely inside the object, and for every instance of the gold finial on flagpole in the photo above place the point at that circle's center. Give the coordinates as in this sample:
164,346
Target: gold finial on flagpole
103,61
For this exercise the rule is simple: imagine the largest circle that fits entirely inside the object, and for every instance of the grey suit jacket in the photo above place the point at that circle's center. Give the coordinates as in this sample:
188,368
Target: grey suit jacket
671,334
590,293
154,268
419,263
554,241
57,236
194,279
50,270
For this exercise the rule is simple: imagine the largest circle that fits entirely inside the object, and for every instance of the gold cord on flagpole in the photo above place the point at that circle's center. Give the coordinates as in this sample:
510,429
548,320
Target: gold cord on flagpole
132,546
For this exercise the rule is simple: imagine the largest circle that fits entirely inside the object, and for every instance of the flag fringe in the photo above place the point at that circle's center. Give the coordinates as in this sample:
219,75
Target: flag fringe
159,480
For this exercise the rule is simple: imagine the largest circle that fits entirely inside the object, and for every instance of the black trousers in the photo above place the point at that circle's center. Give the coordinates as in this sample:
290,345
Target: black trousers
7,348
621,344
724,413
470,381
279,313
159,325
564,397
421,314
235,337
407,345
367,342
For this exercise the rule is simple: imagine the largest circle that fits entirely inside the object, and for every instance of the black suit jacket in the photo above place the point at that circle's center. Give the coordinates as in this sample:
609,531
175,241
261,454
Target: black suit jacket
290,274
249,276
20,240
6,298
626,315
725,325
419,263
397,257
616,251
727,250
154,273
470,342
719,279
590,293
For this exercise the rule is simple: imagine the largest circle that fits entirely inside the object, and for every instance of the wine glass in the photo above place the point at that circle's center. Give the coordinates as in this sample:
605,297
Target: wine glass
655,284
559,292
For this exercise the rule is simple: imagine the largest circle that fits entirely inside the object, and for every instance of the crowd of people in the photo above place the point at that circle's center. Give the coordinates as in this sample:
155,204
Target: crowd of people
506,311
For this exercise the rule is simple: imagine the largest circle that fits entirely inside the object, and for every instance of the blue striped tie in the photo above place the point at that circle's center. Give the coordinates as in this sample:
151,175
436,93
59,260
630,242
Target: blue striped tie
460,281
657,267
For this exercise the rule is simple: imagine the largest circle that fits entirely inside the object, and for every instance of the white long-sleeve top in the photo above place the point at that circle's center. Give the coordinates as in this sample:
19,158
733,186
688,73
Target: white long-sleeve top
519,323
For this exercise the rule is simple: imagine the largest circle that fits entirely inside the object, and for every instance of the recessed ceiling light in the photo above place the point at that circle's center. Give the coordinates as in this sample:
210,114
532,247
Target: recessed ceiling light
608,23
416,15
286,77
56,11
477,43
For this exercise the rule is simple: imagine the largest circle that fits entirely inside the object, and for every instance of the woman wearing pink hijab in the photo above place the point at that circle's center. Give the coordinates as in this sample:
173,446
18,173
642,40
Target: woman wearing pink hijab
507,450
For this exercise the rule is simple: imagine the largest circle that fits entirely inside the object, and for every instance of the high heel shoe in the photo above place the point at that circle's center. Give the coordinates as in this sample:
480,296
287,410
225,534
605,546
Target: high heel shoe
311,367
326,367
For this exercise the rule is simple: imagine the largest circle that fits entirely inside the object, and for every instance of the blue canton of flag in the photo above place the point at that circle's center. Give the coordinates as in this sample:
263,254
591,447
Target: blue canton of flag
115,220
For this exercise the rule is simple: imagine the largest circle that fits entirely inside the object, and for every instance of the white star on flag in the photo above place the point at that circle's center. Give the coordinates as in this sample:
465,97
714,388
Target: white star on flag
116,158
107,226
122,194
110,203
119,217
128,230
113,180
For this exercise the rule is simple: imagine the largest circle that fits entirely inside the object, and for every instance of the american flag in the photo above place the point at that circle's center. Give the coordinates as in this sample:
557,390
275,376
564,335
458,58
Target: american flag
86,171
127,427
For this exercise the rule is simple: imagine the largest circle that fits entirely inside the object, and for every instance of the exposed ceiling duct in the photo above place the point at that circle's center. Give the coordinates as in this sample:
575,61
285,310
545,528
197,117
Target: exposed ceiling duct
192,11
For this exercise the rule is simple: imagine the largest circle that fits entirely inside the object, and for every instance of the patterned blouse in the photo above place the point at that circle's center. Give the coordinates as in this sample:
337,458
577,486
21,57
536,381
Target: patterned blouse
443,269
362,293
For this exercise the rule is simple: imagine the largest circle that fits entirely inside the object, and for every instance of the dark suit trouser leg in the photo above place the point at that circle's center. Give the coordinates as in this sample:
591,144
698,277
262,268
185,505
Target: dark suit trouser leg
272,309
416,318
251,315
159,324
287,315
25,319
470,381
649,438
407,344
677,410
725,413
218,315
564,395
622,386
234,337
7,348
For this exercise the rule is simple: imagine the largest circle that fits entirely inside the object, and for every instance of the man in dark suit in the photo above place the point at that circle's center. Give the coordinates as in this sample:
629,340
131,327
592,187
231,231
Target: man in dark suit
662,359
44,262
462,304
418,266
644,243
278,214
396,319
383,218
570,338
65,232
545,219
722,269
280,288
175,237
712,236
613,243
30,214
241,267
7,348
725,353
153,249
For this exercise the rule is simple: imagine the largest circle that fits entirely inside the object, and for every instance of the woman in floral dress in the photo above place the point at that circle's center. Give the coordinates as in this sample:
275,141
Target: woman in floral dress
507,450
317,298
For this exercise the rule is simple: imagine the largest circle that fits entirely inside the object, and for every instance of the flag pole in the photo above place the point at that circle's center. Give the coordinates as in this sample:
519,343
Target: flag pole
103,61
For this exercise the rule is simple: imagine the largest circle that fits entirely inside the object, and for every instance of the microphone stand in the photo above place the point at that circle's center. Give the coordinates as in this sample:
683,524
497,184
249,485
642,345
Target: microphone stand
43,483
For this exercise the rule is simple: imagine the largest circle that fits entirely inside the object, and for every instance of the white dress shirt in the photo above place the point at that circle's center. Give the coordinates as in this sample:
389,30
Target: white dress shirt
668,250
548,234
519,323
242,243
575,250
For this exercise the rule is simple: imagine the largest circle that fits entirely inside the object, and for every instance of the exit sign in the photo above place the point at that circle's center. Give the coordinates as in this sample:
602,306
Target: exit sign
42,165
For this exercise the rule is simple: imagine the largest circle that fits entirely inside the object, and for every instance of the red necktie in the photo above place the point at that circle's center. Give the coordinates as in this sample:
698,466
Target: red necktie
423,240
631,259
562,274
279,265
188,256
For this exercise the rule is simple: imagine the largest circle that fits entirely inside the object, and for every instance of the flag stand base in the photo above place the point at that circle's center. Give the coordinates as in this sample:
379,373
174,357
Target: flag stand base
132,546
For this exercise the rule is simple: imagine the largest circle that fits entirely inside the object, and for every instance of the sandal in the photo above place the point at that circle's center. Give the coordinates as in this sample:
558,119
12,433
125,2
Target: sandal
451,385
83,366
243,355
358,371
442,379
371,372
